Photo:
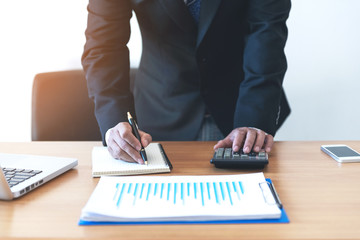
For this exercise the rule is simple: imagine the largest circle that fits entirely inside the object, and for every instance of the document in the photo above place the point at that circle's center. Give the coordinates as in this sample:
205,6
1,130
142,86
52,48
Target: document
181,198
104,164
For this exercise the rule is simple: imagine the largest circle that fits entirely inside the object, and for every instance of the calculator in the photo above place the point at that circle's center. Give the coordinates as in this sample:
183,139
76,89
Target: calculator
226,158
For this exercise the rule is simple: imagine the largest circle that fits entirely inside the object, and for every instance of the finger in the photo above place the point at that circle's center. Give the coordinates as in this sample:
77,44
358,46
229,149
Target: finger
120,149
123,130
239,138
127,135
126,143
259,142
129,150
226,142
269,142
145,138
117,153
249,141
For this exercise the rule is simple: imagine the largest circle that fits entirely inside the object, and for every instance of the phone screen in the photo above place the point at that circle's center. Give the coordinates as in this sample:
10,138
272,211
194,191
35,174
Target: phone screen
342,151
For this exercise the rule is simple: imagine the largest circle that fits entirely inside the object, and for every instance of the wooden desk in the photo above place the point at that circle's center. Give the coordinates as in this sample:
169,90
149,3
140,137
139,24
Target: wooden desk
321,197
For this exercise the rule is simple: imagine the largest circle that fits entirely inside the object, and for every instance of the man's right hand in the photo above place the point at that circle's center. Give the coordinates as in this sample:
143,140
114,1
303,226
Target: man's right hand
122,143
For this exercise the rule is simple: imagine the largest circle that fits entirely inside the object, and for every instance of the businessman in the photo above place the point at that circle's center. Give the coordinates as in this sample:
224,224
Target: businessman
210,68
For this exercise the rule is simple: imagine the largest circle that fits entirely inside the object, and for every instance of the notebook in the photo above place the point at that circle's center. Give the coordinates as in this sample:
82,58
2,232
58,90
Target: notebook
104,164
20,174
151,199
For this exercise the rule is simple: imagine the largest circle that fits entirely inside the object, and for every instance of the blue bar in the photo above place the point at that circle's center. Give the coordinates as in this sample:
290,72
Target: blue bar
136,186
233,183
168,193
208,189
241,188
142,189
182,191
155,189
202,193
148,193
228,188
175,190
237,192
121,193
216,194
116,192
135,192
222,191
162,190
195,189
188,188
130,184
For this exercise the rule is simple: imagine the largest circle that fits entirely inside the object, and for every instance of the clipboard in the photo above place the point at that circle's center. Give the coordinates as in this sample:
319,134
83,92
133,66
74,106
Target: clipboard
283,219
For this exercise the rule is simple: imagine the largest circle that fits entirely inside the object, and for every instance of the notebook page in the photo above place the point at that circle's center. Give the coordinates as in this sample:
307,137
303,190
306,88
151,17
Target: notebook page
104,164
190,198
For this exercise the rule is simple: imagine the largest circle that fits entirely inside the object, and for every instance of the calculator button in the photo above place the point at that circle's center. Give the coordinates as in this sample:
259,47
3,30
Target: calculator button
236,155
227,153
219,153
262,154
244,156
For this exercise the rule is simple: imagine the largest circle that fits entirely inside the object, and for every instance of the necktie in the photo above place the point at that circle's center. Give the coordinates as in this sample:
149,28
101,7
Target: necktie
194,8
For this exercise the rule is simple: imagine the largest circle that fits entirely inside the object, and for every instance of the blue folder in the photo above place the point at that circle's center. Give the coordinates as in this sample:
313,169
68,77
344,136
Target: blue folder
283,219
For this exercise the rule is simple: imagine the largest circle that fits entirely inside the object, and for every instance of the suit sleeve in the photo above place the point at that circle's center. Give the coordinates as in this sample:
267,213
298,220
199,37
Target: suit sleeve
106,61
260,93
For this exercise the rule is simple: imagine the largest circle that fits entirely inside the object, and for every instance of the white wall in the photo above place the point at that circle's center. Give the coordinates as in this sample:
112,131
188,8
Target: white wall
38,36
323,78
322,82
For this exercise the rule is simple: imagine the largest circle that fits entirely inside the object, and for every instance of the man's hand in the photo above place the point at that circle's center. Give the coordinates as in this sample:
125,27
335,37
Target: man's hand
122,143
248,139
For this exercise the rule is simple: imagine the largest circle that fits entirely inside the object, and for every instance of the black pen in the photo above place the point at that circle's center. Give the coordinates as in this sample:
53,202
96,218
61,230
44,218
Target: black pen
137,135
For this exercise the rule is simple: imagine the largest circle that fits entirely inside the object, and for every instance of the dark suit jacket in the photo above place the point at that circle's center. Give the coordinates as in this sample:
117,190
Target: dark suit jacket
231,64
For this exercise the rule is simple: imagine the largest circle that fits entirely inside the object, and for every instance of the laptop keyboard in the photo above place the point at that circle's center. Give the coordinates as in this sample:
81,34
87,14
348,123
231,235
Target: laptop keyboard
15,176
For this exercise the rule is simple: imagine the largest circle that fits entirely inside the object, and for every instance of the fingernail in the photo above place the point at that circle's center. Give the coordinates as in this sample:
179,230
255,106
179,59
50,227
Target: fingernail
268,149
236,148
246,149
257,149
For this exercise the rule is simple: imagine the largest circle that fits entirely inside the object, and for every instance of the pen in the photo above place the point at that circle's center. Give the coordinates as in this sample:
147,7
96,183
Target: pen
276,196
135,129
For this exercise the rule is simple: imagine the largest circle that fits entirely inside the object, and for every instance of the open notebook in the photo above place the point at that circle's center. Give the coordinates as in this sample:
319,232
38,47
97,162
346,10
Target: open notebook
104,164
180,198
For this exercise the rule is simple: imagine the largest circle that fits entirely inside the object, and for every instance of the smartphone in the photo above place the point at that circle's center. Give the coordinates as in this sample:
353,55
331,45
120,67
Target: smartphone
341,153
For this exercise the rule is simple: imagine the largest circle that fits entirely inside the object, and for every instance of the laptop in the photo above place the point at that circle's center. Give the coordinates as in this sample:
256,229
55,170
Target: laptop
20,174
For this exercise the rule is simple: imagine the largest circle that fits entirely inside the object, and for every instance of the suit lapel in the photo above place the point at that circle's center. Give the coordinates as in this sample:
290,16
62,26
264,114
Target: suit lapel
180,14
208,10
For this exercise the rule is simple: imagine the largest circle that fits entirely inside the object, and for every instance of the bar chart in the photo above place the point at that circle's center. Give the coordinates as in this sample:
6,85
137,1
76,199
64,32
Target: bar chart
179,193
